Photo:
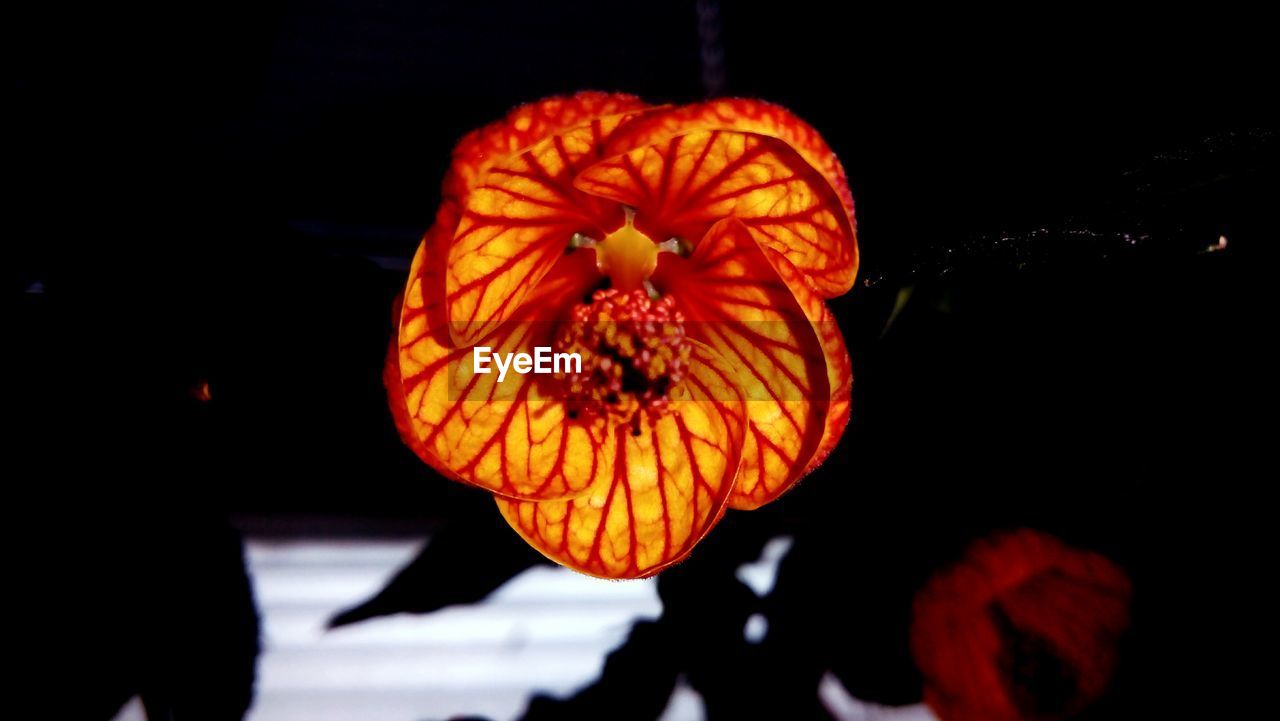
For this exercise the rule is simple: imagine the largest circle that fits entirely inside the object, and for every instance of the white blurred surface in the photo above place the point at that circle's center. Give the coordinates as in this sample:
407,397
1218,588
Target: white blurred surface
761,575
132,711
546,630
843,706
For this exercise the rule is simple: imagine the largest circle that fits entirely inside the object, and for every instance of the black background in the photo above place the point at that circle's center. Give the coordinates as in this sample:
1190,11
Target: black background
231,193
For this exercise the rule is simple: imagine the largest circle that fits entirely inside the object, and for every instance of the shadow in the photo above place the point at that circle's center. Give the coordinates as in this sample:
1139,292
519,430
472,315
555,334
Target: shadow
699,635
465,560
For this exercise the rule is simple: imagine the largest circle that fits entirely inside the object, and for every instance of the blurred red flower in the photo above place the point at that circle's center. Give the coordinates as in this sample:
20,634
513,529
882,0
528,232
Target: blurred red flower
1024,628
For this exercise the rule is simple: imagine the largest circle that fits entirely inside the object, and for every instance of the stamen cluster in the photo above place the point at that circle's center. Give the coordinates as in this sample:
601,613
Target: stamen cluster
634,351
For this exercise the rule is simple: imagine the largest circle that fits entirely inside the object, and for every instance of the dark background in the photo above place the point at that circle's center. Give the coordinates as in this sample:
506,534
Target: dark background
231,194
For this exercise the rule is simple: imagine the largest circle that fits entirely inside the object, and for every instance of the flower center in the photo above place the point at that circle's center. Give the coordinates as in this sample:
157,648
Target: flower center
627,256
633,353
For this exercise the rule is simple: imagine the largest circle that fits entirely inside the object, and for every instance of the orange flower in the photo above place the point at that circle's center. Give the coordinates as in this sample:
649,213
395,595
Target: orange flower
683,253
1024,628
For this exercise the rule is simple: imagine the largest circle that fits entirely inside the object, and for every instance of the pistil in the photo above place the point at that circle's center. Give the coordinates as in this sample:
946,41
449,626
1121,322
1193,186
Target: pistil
627,256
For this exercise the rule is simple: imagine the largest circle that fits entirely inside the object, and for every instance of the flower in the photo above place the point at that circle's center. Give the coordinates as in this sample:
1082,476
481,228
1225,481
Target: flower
1024,628
684,254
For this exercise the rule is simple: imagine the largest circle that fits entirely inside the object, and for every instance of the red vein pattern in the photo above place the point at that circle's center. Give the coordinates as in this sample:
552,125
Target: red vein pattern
511,438
425,309
480,149
839,365
743,115
657,493
517,222
684,184
763,398
744,310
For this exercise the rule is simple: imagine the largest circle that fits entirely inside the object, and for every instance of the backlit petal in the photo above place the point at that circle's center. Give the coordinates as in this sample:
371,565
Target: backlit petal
510,437
424,306
516,224
738,304
685,183
744,115
480,149
396,402
659,492
839,365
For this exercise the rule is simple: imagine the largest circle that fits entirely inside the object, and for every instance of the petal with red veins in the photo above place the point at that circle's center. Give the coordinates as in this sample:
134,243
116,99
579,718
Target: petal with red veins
740,114
517,223
655,494
839,365
737,303
399,409
427,307
682,185
512,437
484,147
